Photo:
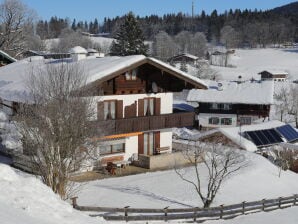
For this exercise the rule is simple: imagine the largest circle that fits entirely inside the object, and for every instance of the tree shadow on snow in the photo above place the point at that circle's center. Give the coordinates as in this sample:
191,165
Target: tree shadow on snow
138,191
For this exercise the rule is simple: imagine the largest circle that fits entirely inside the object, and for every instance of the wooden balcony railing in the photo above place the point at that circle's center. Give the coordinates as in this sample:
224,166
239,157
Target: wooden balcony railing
260,113
137,124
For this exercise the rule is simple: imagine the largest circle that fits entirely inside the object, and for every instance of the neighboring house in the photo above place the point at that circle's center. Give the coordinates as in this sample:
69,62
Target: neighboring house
6,59
133,97
232,103
273,75
253,137
184,58
46,54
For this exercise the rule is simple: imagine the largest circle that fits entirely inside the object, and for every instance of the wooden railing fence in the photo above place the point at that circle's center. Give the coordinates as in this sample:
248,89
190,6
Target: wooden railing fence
219,212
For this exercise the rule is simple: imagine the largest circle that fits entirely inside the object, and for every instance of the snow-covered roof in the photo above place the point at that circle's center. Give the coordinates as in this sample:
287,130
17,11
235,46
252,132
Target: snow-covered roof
91,50
232,92
13,76
275,72
233,133
7,56
78,50
186,55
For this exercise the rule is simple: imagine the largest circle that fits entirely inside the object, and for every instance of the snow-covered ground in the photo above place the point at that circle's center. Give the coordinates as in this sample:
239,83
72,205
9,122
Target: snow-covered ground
249,62
258,180
24,199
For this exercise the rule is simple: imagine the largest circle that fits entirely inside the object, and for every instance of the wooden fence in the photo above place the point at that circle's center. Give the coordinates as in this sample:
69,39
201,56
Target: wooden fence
196,214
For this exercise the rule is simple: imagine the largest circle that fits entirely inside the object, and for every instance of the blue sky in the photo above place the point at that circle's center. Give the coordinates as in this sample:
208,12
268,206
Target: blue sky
90,9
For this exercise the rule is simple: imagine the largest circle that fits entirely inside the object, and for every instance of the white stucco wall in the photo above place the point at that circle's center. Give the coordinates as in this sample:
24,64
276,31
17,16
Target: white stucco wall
166,138
131,146
166,106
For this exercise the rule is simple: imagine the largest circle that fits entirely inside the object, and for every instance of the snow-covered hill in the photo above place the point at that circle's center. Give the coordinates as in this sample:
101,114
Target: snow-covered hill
249,62
24,199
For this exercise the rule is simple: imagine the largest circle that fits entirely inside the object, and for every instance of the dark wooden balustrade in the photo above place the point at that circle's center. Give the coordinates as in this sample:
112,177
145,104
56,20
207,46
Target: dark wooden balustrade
137,124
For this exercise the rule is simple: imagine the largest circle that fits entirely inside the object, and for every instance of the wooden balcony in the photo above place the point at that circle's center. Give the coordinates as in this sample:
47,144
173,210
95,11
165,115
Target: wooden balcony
138,124
260,113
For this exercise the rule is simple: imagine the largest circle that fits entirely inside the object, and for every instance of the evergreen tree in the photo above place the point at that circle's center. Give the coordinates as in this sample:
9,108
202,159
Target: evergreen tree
129,38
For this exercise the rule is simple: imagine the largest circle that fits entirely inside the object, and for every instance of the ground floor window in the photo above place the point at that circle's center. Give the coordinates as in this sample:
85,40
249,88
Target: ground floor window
213,120
112,149
245,120
226,121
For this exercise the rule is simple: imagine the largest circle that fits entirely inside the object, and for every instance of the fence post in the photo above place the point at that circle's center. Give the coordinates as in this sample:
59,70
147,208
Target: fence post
263,204
74,202
195,214
126,213
295,199
279,202
243,207
166,212
221,211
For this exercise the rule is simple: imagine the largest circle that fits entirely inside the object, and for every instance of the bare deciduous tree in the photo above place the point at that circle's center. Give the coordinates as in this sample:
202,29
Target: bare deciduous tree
287,102
55,128
69,39
164,46
14,18
229,37
219,161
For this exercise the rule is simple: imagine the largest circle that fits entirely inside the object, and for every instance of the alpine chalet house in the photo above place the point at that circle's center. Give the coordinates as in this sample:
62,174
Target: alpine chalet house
133,97
229,104
273,75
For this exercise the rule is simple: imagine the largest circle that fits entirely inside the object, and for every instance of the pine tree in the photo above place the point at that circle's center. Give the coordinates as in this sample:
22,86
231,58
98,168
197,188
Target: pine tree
129,38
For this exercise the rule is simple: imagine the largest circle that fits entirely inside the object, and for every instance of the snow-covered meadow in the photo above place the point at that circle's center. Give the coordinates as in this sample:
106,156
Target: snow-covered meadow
249,62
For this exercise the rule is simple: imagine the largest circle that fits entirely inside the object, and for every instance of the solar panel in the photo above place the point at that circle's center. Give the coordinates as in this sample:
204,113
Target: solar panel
254,138
288,132
264,137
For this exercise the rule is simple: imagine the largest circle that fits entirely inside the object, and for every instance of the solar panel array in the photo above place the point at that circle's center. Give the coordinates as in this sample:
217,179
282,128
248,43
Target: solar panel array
264,137
272,136
288,132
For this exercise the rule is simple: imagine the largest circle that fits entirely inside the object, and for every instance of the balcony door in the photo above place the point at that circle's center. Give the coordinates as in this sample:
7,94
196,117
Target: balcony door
148,142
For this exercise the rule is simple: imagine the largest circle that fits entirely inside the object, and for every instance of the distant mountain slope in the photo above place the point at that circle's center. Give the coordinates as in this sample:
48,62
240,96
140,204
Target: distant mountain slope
289,9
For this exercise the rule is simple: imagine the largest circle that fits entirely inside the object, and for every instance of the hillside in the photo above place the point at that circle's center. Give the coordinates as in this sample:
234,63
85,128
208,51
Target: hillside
289,9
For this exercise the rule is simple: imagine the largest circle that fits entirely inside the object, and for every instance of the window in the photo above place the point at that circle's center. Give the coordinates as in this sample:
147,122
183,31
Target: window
112,149
214,106
245,120
131,75
227,106
213,120
148,106
226,121
109,109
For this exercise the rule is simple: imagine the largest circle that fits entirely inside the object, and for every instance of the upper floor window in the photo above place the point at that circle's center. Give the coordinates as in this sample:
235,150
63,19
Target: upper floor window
131,75
227,106
214,106
109,109
245,120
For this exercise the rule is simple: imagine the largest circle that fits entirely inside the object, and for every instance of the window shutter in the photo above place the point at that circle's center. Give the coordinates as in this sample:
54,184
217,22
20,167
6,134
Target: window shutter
141,107
157,106
157,139
100,110
141,144
119,109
